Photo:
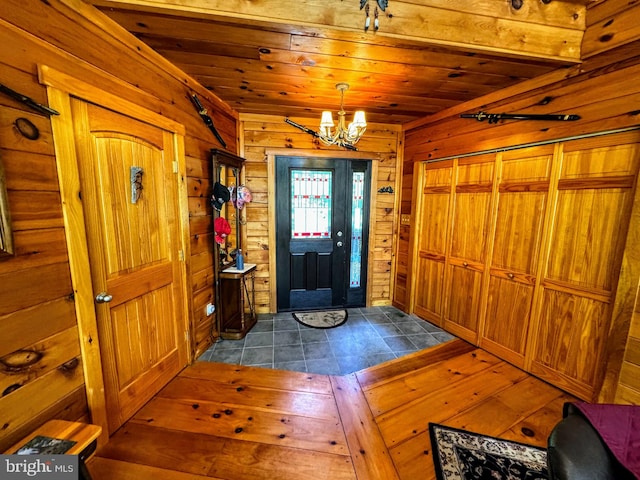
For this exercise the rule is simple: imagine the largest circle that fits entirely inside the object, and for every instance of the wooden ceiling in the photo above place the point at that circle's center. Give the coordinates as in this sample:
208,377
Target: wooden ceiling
284,57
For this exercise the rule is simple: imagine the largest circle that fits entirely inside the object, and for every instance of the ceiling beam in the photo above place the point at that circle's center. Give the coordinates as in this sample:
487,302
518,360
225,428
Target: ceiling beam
551,31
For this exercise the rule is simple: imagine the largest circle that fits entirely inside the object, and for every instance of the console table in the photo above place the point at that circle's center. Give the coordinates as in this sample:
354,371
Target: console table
237,301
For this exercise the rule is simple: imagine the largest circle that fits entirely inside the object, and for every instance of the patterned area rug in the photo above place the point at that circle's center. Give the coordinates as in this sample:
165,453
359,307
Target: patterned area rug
323,319
462,455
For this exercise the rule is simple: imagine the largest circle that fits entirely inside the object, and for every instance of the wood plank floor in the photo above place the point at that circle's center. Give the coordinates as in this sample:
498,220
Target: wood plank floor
240,423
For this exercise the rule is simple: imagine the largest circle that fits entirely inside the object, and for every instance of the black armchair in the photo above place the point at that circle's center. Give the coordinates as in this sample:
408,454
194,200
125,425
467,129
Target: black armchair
576,452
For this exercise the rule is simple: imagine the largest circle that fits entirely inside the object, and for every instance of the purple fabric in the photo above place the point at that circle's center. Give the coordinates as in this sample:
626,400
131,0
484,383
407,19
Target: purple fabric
619,428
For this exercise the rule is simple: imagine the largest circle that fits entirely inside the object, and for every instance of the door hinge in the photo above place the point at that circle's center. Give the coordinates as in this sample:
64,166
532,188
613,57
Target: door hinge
175,167
181,255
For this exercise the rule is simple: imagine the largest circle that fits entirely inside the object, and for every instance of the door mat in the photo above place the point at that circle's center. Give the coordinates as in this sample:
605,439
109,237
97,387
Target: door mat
322,319
461,455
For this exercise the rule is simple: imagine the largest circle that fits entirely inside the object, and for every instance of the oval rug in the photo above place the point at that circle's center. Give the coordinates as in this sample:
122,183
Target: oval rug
321,319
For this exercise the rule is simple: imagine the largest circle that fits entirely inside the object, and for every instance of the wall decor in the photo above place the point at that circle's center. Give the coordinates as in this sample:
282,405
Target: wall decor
207,119
136,183
29,102
496,117
367,22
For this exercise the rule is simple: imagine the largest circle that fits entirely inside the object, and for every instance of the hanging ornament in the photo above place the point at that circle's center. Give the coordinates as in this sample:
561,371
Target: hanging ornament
367,22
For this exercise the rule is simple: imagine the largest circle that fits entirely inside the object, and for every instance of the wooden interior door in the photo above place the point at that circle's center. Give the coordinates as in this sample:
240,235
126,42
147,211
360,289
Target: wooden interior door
470,217
134,251
434,228
514,266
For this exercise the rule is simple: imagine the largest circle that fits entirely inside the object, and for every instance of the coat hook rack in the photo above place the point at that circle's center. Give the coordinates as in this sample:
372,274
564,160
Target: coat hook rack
496,117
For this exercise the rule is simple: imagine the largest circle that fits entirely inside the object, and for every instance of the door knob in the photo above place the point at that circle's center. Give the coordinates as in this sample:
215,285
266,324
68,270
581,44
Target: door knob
339,244
103,297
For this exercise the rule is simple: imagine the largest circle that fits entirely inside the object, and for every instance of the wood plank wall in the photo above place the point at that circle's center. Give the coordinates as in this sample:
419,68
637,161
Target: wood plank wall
38,324
261,134
628,385
602,90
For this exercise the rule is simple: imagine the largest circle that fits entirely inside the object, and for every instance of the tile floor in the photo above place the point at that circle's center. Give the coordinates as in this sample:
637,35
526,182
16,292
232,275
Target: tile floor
370,336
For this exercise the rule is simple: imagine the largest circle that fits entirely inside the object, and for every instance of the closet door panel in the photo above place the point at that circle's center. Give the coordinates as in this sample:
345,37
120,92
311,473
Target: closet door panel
519,229
467,256
522,199
470,224
432,246
463,303
435,219
587,235
572,333
429,288
586,242
507,318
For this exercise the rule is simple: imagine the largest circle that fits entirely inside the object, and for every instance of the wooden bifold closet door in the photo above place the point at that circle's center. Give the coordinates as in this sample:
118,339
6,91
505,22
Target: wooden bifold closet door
519,252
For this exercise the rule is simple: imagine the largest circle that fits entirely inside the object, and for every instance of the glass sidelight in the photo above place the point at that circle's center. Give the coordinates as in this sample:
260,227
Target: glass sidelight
357,223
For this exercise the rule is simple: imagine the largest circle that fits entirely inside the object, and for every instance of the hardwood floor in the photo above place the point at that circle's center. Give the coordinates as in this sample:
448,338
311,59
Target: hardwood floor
233,422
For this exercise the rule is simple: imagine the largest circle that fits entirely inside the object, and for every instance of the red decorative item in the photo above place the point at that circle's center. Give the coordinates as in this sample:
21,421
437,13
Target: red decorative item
222,229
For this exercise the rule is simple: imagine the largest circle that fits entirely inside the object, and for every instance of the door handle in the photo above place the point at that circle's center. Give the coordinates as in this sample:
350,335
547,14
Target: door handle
103,297
339,244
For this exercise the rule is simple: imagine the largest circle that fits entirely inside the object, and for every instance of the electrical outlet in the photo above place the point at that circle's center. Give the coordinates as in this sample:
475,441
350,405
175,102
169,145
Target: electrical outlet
210,308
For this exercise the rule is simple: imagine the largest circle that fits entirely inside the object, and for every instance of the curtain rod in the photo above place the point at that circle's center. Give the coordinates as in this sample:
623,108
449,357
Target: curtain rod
532,144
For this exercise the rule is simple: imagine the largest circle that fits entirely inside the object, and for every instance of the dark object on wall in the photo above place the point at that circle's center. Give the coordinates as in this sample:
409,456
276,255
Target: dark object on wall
386,189
26,128
576,450
29,102
496,117
207,119
314,133
136,183
381,3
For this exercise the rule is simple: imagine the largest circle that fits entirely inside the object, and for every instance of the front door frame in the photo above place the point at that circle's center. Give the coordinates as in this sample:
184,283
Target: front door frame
60,88
271,154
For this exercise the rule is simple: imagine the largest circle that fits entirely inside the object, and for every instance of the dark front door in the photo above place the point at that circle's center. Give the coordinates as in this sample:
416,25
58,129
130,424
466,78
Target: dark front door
322,213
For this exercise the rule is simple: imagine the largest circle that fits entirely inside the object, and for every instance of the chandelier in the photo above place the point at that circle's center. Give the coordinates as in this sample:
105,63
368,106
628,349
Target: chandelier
343,135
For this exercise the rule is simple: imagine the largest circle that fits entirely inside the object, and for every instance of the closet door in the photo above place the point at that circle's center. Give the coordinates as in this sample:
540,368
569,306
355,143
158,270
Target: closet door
521,202
587,235
433,226
470,214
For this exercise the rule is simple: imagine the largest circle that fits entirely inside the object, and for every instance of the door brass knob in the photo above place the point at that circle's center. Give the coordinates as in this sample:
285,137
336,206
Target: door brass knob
103,297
